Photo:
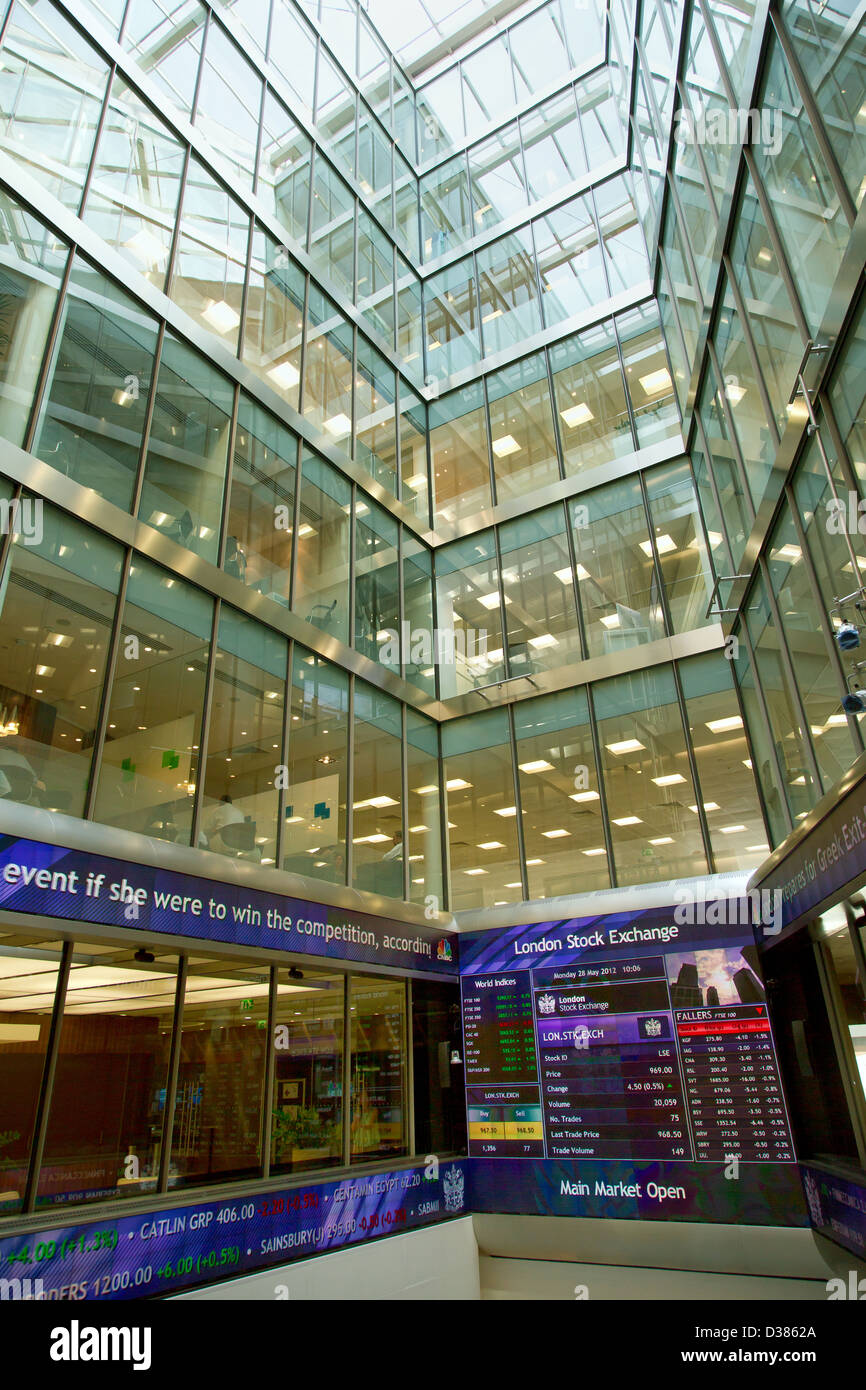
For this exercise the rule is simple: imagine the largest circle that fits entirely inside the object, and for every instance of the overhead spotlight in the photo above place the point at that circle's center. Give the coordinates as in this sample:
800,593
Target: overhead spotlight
847,636
144,957
295,973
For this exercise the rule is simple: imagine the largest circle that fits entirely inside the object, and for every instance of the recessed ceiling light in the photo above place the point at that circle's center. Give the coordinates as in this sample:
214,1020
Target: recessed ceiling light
654,382
221,315
555,834
505,445
671,779
506,811
708,806
416,829
723,726
591,852
663,840
538,766
475,871
627,745
338,425
664,545
425,791
583,796
564,576
284,375
610,620
732,829
490,600
577,415
544,639
456,784
628,820
492,844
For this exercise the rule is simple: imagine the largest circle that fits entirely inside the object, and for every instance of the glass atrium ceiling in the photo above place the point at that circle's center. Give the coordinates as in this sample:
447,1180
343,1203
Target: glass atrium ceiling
413,29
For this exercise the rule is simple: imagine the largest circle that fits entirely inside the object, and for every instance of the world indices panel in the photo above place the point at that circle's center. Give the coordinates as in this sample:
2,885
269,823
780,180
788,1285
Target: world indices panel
639,1057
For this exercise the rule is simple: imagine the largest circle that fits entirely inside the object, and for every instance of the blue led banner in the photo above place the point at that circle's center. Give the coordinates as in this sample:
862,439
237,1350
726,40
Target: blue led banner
79,886
176,1248
837,1208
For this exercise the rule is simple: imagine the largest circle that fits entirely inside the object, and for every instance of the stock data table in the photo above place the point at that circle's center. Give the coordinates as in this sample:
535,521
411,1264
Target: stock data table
602,1061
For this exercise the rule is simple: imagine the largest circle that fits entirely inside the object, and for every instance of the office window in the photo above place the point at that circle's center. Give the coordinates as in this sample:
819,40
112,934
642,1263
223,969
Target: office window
458,453
804,625
743,397
625,254
496,179
848,394
410,334
378,1092
419,650
833,55
651,800
261,509
538,593
375,421
187,450
274,321
105,1125
332,226
446,212
228,104
482,812
778,341
718,738
93,412
423,810
452,319
617,581
50,99
412,428
735,505
787,731
135,185
521,426
375,282
165,41
210,263
220,1084
327,395
569,261
28,980
377,584
32,261
553,146
562,822
314,826
322,547
378,849
590,401
283,182
646,371
812,226
468,605
680,545
245,740
773,798
307,1116
56,615
289,34
149,769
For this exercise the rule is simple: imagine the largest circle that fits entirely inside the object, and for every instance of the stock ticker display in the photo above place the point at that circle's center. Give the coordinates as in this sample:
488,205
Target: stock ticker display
620,1041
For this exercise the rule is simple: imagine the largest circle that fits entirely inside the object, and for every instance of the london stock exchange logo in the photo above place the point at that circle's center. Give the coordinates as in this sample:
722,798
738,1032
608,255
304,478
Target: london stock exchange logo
453,1184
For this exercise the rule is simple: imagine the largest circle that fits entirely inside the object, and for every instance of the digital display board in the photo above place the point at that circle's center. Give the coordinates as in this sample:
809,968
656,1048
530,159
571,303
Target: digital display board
629,1042
174,1248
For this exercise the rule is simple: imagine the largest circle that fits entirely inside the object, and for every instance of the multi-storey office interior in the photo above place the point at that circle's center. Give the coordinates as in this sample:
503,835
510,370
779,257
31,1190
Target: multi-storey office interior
427,423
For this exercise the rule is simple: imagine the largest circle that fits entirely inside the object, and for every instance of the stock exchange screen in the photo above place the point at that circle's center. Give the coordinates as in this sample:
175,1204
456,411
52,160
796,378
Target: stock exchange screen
639,1057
